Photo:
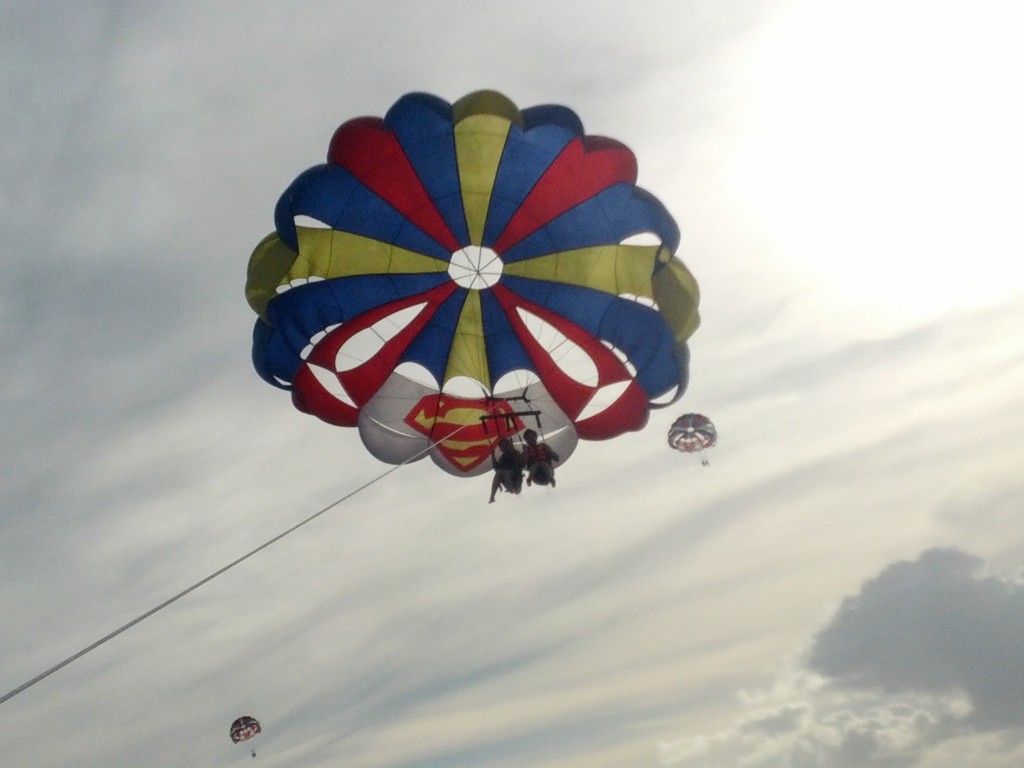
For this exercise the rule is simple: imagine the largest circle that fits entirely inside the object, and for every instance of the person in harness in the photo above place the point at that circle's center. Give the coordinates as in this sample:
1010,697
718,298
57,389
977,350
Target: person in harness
508,469
540,461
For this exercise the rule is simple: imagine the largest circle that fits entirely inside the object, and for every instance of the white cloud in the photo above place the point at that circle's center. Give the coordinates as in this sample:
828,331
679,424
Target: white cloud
933,626
922,664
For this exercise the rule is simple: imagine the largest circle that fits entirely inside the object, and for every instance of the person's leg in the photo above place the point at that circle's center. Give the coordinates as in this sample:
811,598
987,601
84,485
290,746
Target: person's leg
542,474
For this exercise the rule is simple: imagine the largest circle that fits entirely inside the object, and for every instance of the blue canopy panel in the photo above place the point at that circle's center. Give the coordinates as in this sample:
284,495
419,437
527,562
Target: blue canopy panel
300,313
423,126
274,360
505,350
608,217
554,116
525,159
432,345
636,329
331,194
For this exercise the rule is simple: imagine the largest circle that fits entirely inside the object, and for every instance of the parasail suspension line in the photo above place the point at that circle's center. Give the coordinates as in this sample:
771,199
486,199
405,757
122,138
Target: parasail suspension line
142,617
510,417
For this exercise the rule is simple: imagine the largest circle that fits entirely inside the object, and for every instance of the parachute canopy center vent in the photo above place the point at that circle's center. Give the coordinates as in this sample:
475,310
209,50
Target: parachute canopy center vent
475,267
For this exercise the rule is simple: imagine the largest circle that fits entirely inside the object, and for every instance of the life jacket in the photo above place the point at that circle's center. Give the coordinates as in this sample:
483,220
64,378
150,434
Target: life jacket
538,454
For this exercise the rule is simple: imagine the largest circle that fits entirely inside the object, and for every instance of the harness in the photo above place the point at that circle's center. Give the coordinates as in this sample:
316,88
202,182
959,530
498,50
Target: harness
538,454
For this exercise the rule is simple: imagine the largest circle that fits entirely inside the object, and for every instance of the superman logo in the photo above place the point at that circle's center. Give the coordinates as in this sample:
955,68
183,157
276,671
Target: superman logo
463,430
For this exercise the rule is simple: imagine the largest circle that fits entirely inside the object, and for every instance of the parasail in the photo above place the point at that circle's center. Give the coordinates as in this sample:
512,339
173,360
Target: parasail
692,433
457,273
244,728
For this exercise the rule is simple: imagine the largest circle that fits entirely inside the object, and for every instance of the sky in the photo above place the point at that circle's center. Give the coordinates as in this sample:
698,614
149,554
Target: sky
842,586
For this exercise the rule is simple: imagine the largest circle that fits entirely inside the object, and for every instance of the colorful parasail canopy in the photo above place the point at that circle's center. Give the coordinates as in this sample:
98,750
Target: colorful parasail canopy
244,728
692,433
456,273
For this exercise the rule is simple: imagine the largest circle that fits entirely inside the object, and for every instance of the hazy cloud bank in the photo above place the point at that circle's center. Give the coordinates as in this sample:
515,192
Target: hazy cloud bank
924,661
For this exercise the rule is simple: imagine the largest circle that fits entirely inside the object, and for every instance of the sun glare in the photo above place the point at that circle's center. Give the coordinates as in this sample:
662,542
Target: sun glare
885,156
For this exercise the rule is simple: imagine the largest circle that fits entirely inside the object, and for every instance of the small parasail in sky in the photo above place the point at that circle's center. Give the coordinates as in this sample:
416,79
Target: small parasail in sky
692,433
457,273
245,728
